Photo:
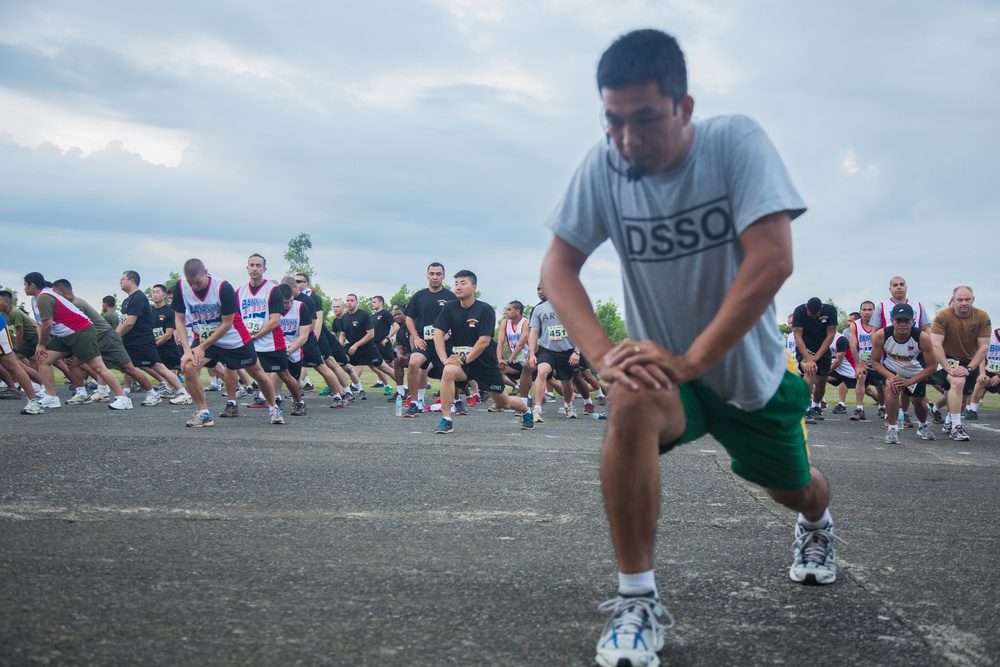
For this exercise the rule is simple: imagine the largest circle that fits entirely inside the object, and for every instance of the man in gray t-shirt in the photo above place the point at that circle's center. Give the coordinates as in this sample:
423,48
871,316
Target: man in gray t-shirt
550,350
700,216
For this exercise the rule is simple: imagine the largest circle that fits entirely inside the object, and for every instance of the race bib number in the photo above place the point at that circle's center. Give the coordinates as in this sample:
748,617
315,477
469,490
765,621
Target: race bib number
953,362
866,355
204,333
557,332
429,332
993,366
254,325
158,332
461,350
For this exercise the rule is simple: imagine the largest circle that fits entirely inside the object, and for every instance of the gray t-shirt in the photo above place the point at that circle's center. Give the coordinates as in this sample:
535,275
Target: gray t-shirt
551,333
677,235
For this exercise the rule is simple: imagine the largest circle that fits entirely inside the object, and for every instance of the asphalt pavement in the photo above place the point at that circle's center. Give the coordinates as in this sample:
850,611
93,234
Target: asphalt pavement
353,537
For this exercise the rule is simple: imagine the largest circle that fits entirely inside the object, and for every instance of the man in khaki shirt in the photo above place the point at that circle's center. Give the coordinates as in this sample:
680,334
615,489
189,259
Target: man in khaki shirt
961,337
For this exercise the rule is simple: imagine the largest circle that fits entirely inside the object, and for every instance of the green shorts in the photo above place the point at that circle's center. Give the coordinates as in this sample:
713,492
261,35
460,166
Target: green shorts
767,446
82,344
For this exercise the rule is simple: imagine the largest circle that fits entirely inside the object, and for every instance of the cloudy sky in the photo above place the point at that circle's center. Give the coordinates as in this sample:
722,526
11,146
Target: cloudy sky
137,135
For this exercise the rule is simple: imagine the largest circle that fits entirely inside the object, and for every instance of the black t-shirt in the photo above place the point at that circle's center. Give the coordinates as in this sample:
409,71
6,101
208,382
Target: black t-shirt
814,329
356,325
164,321
338,325
227,297
467,325
382,321
403,339
311,348
425,306
137,304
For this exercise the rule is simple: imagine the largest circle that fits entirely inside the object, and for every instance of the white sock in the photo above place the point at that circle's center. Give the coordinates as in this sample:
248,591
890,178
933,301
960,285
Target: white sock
956,420
600,393
525,400
420,394
893,427
589,401
401,391
842,403
636,584
356,386
815,404
974,407
825,521
81,391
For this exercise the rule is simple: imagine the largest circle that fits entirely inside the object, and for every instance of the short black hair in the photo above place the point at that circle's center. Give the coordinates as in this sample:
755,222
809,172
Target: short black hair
133,276
814,304
855,315
160,285
642,56
4,294
257,254
433,264
864,302
465,273
62,283
286,291
109,301
36,279
518,306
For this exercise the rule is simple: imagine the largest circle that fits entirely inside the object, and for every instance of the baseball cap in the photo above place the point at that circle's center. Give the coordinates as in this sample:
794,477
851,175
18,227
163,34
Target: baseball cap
901,311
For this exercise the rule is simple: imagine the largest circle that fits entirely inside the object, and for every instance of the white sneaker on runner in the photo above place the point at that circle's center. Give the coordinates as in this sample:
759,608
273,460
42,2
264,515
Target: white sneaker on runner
121,403
50,402
815,558
634,633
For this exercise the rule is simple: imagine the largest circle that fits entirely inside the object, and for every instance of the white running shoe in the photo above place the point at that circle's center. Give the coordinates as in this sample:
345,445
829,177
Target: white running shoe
78,399
634,634
815,558
276,416
32,408
536,414
121,403
99,397
926,432
50,402
182,398
152,398
892,436
570,411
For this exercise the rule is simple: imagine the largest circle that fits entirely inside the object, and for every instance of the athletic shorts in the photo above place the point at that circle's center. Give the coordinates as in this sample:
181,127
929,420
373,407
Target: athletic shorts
874,378
432,364
28,346
324,343
367,355
338,351
310,359
515,368
83,344
295,368
171,356
233,359
273,362
836,379
942,379
767,446
559,361
822,364
113,350
387,353
992,390
486,374
142,352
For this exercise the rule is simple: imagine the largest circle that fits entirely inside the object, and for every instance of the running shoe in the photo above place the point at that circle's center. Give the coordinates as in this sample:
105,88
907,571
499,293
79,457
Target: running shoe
602,401
906,421
970,414
152,398
840,409
78,399
32,408
926,432
99,397
473,400
809,417
634,633
570,411
938,417
892,436
182,398
822,405
276,416
258,402
243,392
588,408
212,387
121,403
325,391
536,414
445,426
200,419
388,391
460,408
881,413
413,411
549,398
362,395
378,385
817,414
50,402
230,411
958,433
166,391
495,408
814,561
10,393
527,421
945,427
308,386
859,414
299,409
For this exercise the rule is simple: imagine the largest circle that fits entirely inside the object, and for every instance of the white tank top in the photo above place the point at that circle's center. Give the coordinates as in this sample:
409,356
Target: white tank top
206,315
902,358
514,336
864,340
993,355
253,309
846,367
290,323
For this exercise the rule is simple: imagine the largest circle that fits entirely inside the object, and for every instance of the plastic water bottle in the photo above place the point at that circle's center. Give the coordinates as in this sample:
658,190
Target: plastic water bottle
901,418
399,404
598,415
